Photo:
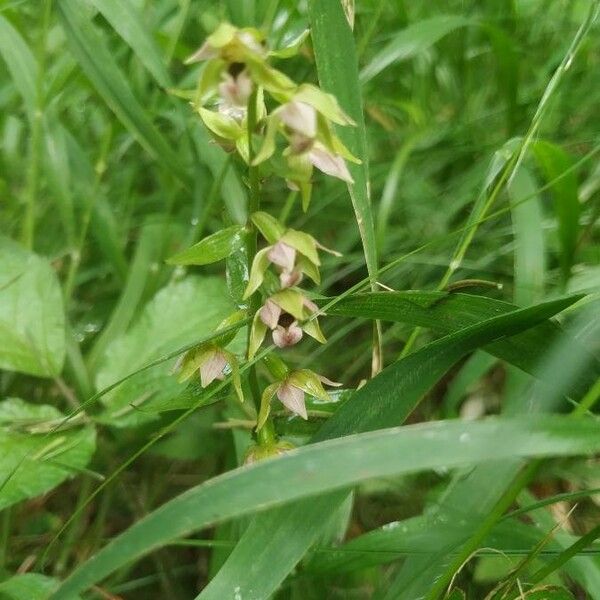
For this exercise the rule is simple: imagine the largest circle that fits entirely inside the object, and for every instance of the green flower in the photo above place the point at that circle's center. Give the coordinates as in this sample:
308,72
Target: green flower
294,253
305,120
211,360
291,390
286,315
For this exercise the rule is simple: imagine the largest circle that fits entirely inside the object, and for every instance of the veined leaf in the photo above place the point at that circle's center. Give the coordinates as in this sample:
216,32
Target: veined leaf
32,319
335,464
33,463
211,249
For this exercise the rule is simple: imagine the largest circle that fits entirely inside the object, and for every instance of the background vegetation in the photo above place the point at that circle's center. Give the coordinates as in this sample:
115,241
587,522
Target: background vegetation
480,145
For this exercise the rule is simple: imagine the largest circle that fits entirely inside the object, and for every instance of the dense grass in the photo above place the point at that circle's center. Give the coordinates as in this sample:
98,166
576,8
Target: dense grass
463,311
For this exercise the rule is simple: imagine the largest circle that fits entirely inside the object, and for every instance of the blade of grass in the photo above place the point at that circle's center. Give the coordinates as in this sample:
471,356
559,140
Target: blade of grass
337,65
128,22
321,467
89,49
411,41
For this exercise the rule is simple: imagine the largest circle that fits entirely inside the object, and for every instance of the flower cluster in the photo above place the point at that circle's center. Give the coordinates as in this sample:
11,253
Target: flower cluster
237,63
292,127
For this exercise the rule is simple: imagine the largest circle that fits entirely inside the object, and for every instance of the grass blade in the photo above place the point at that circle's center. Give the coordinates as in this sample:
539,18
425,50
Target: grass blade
411,41
405,382
274,482
89,49
337,65
127,21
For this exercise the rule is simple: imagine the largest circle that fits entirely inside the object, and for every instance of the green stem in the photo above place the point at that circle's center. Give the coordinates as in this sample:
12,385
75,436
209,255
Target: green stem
252,234
266,435
5,522
75,528
35,150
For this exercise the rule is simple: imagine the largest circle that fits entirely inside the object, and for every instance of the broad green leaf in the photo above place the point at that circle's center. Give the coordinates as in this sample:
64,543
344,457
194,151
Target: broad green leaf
337,65
29,586
553,162
411,41
380,402
211,249
335,464
128,22
148,252
20,62
32,462
400,387
447,312
88,47
32,320
179,314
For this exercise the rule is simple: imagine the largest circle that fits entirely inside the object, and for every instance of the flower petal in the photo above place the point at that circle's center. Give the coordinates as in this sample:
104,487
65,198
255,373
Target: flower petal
282,255
300,117
269,313
328,381
212,368
290,278
292,398
205,52
330,164
287,336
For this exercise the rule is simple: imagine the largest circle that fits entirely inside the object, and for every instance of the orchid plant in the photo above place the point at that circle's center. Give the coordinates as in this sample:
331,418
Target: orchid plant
279,128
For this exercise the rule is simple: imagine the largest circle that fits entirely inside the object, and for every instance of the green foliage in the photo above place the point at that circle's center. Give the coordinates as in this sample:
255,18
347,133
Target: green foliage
32,321
34,460
172,176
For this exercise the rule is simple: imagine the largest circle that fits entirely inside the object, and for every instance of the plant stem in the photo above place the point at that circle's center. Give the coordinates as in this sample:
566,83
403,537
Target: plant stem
251,233
35,150
5,521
